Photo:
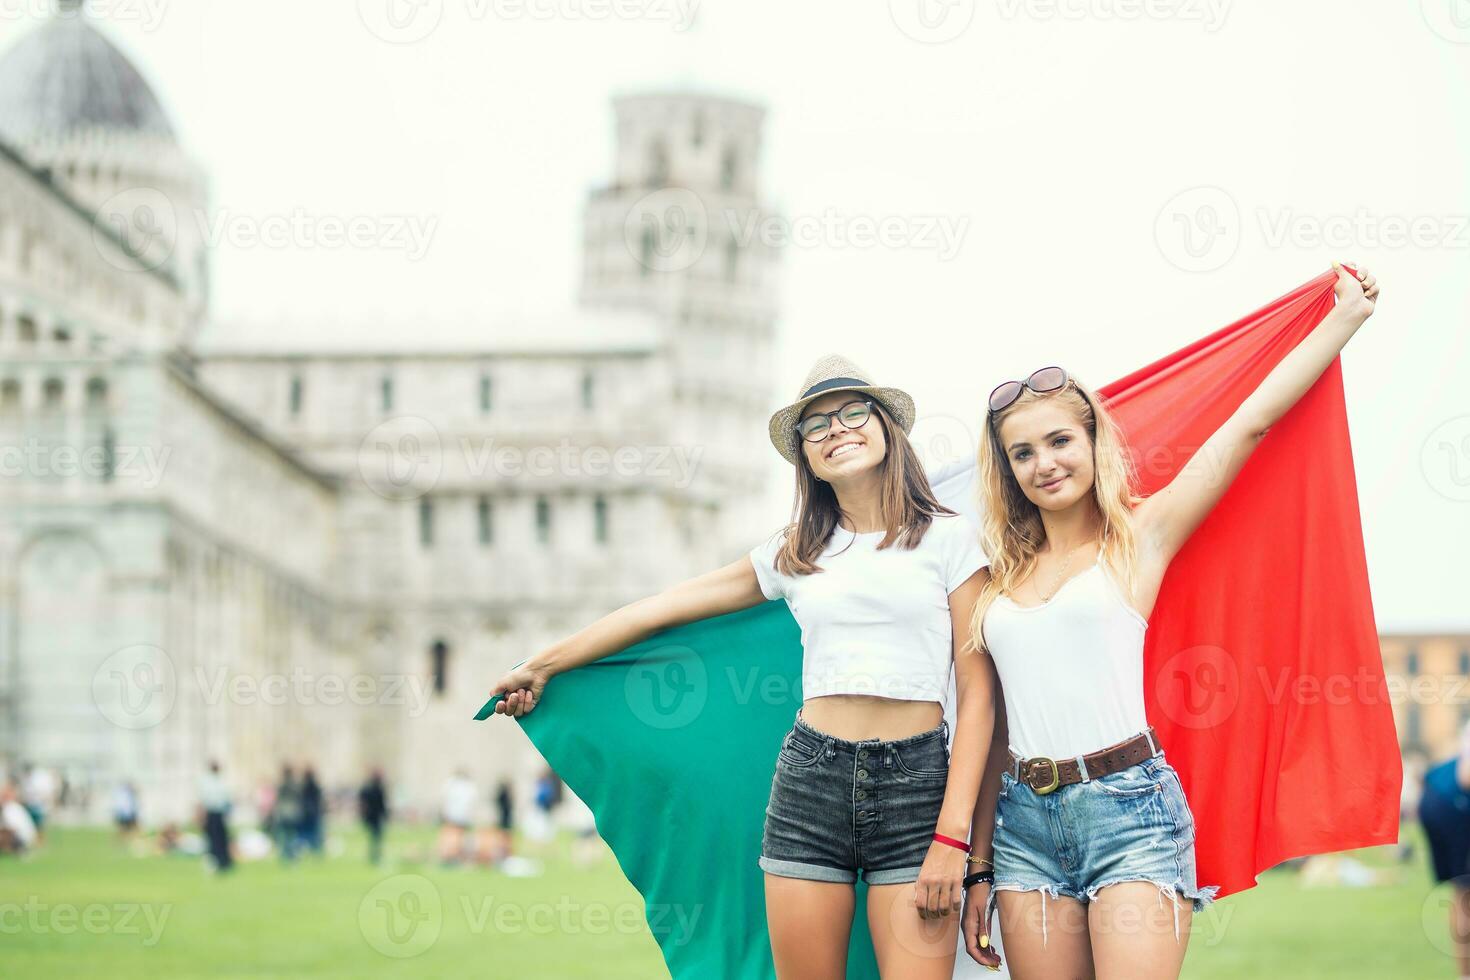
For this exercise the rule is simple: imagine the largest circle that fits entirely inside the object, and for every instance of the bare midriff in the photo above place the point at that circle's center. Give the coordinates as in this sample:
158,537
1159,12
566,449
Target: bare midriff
861,716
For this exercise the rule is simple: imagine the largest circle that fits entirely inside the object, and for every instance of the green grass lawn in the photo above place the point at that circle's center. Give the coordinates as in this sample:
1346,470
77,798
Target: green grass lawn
85,907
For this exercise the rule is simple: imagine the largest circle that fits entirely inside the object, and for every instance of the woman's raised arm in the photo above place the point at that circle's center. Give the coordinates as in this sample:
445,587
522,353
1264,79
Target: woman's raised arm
723,590
1167,518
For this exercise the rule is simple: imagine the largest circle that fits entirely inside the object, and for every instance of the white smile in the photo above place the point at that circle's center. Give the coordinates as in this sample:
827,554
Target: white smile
844,449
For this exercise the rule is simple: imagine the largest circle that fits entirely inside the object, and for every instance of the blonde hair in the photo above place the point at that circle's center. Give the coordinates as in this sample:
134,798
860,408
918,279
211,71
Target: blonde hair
1010,524
907,502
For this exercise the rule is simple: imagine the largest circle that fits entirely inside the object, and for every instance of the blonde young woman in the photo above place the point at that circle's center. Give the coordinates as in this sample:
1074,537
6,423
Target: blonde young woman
1087,814
882,579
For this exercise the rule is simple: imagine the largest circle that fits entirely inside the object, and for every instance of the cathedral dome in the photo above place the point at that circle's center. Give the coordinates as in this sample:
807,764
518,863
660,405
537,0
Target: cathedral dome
66,76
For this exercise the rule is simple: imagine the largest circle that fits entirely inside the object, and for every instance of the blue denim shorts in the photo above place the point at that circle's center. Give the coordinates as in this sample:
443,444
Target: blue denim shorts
839,806
1130,825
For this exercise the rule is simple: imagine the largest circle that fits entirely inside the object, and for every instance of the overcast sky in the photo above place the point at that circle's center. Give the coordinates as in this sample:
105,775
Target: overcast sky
1119,177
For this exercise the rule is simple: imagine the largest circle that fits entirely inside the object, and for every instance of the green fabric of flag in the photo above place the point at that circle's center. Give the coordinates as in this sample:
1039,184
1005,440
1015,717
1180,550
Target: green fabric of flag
672,745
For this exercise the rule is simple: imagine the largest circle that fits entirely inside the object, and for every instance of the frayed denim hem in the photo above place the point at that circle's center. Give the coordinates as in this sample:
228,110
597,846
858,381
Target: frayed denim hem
1013,886
1201,898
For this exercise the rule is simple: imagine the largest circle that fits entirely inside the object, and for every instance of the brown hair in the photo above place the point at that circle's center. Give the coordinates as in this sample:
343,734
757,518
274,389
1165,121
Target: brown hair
908,503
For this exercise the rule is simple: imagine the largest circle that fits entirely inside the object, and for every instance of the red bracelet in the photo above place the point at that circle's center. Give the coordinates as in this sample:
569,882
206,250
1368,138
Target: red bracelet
952,842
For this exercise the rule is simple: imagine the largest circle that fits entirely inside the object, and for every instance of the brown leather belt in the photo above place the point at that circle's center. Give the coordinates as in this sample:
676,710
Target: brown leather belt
1045,775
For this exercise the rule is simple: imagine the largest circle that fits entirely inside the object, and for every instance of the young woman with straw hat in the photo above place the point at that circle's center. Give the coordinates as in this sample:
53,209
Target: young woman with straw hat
882,580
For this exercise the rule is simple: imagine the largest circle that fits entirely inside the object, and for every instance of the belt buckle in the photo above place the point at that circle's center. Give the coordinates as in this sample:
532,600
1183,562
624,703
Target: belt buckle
1056,775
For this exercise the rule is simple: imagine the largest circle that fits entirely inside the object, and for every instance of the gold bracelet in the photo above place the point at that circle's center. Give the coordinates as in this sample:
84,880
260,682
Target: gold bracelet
972,859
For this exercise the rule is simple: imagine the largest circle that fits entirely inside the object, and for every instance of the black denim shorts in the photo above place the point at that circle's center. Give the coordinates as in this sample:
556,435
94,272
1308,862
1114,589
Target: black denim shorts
839,806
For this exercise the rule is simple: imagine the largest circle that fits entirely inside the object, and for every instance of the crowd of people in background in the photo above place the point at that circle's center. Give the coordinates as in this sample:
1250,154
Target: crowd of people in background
25,804
465,835
295,813
473,834
214,813
476,824
372,810
18,830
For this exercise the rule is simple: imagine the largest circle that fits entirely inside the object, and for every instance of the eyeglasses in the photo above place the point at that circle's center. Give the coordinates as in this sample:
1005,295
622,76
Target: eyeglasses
1041,381
814,427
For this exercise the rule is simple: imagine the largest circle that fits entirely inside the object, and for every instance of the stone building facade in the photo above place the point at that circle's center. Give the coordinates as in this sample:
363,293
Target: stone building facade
319,552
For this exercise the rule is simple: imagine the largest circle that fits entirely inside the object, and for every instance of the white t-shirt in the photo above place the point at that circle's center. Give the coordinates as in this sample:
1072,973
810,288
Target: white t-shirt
876,622
459,800
18,820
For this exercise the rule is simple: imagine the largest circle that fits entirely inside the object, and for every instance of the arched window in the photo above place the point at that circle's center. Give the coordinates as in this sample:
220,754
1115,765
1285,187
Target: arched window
109,455
484,519
543,520
658,164
599,519
646,244
426,522
729,168
439,666
10,395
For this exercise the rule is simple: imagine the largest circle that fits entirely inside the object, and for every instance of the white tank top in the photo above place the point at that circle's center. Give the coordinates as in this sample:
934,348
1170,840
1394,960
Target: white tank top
1071,668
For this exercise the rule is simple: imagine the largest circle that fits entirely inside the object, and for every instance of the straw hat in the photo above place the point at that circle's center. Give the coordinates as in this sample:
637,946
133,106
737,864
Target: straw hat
834,372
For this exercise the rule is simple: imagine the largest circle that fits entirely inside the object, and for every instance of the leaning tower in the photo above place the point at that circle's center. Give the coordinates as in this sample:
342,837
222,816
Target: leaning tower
679,233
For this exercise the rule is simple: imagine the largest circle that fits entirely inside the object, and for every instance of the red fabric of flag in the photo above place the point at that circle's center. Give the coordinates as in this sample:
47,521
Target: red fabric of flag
1262,669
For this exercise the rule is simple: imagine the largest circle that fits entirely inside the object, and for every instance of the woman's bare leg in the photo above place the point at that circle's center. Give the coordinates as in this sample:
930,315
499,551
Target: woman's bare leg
810,924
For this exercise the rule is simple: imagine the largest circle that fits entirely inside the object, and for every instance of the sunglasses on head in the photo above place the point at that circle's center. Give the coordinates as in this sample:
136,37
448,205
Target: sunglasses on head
1041,381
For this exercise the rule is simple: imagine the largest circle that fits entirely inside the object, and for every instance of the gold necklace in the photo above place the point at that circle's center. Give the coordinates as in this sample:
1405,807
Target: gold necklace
1057,582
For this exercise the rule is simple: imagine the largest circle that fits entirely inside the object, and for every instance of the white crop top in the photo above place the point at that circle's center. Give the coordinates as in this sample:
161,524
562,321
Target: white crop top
1071,668
876,622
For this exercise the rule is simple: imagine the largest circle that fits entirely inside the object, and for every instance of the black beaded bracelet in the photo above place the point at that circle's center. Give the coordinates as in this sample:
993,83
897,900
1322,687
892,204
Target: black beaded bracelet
977,877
